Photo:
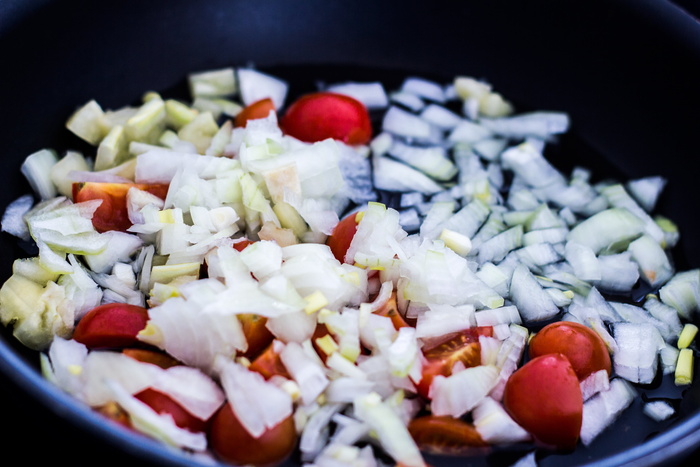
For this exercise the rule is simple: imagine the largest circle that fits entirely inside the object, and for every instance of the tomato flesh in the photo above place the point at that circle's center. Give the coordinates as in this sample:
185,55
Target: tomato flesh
544,397
112,325
256,333
256,110
581,345
318,116
440,359
269,364
112,214
445,435
164,404
232,443
343,233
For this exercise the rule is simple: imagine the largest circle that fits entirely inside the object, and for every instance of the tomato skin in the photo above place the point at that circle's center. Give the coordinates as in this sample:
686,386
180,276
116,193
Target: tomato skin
445,435
256,110
112,325
581,345
231,442
242,244
164,404
441,358
343,233
256,333
544,397
112,214
318,116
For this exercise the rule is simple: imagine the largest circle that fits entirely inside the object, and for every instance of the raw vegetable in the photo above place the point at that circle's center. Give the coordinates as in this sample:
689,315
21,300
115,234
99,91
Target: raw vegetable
219,279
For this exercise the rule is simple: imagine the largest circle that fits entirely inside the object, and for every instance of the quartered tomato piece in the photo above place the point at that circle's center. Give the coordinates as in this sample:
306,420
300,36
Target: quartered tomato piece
164,404
580,344
463,349
318,116
112,214
256,333
445,435
343,233
544,397
232,443
112,325
258,109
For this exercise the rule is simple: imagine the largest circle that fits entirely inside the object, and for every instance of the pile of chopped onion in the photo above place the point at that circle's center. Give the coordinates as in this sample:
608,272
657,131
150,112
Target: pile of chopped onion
486,232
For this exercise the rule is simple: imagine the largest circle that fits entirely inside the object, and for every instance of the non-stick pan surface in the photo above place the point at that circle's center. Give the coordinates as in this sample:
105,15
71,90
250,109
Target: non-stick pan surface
626,71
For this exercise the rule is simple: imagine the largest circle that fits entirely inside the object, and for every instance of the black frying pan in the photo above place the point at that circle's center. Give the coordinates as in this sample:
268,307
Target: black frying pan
626,71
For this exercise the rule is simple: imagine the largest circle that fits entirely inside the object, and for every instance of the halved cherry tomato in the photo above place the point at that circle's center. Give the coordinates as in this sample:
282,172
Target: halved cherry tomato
343,233
445,435
231,442
318,116
258,109
269,364
580,344
112,214
544,397
256,333
164,404
112,325
463,348
156,357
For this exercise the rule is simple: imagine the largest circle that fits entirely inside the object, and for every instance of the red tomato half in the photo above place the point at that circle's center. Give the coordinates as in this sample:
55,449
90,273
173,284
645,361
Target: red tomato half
445,435
580,344
112,213
544,397
258,109
112,325
464,348
343,233
232,443
164,404
322,115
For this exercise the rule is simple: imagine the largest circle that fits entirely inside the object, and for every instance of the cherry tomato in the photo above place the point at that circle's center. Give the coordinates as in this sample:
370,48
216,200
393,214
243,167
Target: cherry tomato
445,435
256,333
322,115
463,348
544,397
258,109
156,357
164,404
112,214
269,364
112,325
580,344
232,443
343,233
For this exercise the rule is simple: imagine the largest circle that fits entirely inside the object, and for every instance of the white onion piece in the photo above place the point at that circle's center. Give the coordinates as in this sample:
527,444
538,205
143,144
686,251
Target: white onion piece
372,95
638,347
255,85
259,405
13,218
603,409
459,393
424,88
495,425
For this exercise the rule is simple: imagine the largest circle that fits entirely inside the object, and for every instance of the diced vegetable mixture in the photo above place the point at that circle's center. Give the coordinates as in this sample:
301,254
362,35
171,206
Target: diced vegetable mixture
357,277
